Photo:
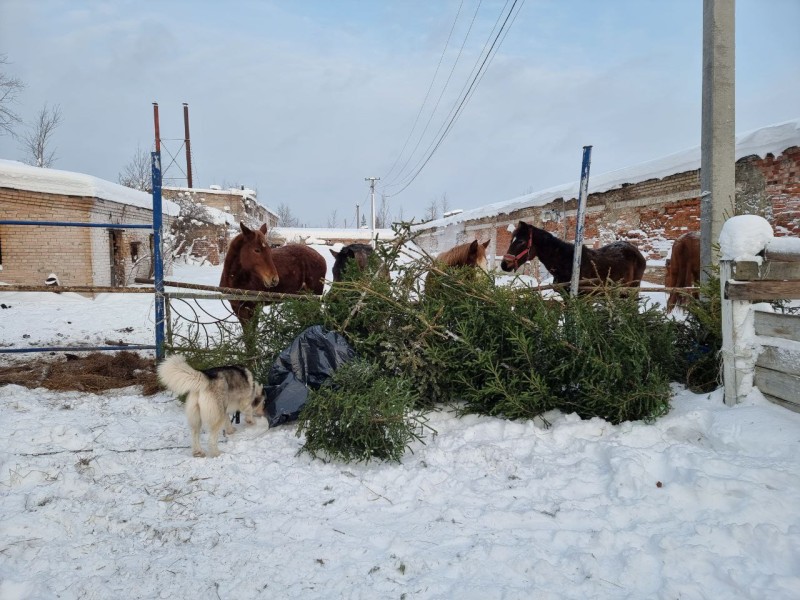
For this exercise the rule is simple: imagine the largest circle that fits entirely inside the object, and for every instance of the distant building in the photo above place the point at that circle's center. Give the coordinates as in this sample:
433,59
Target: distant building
73,255
650,204
208,236
311,235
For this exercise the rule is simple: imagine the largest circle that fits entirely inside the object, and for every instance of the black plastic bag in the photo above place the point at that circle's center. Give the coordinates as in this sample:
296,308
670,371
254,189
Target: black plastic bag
311,358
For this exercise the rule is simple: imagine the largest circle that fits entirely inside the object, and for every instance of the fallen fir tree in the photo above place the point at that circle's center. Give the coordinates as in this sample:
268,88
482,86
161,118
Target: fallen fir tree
506,351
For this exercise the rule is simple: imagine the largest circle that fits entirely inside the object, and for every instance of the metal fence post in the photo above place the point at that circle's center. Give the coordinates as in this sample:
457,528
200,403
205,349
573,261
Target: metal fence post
158,264
579,220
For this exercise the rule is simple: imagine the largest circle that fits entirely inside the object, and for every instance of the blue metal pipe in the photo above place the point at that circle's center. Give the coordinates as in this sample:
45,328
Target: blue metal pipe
158,265
71,224
73,349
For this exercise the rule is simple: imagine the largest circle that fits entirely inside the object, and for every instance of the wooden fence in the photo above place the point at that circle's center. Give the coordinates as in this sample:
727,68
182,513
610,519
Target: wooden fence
761,348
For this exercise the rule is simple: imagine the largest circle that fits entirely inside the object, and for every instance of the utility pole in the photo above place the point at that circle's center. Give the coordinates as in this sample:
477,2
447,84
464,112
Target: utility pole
372,181
358,216
718,136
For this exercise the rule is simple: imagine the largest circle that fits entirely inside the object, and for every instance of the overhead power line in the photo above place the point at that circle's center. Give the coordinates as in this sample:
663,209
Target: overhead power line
427,94
465,96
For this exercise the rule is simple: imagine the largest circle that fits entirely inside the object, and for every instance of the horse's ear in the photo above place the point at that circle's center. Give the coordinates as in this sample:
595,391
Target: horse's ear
334,253
263,228
523,224
473,248
486,243
245,229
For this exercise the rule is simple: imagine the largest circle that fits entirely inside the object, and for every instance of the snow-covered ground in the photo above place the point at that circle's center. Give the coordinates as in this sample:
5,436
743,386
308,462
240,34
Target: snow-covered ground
100,497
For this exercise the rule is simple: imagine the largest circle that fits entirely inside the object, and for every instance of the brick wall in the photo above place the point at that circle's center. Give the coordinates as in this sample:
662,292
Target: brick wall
651,214
77,255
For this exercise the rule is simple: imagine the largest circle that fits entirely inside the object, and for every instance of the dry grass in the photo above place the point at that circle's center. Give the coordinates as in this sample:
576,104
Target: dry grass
95,372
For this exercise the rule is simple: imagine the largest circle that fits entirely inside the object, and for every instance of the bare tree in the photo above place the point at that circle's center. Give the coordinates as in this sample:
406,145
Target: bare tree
332,219
285,216
36,142
9,88
382,219
444,204
431,211
138,173
189,227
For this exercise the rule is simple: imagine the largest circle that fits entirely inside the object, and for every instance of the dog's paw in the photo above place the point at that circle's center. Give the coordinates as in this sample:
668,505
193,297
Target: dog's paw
198,454
213,453
249,420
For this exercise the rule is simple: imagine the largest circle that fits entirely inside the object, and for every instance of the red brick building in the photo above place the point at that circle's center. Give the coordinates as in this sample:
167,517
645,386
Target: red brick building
649,204
76,255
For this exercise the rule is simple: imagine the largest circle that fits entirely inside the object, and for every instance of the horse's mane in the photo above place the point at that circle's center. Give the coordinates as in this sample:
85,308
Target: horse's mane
457,256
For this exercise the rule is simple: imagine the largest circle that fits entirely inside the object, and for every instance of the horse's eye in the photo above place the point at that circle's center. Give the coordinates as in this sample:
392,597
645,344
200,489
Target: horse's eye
257,250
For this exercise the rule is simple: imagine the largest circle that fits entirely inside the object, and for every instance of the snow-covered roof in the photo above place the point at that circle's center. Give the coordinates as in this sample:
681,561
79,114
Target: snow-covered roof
245,193
773,139
311,235
19,176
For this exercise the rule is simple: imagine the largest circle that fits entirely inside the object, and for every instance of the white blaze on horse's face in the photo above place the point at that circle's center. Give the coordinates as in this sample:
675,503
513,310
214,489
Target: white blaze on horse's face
483,263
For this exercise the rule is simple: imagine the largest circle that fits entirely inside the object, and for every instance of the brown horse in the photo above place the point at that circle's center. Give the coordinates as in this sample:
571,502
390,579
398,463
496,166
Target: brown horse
619,262
471,254
683,267
360,253
251,264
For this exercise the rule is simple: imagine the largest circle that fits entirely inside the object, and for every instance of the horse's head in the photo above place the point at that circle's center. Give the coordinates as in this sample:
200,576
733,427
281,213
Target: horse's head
477,255
255,256
359,253
521,248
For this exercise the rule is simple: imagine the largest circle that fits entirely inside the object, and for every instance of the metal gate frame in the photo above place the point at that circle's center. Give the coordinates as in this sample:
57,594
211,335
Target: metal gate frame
158,270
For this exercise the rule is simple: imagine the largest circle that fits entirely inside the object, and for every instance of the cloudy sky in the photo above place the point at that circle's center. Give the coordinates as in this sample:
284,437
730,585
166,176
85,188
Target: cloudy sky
302,100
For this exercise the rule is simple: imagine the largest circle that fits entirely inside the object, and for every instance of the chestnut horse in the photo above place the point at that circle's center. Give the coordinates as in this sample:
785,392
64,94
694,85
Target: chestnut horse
251,264
471,254
359,253
619,262
683,267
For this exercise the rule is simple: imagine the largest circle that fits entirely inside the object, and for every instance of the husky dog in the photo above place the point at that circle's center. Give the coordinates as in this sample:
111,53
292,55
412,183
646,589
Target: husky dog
212,394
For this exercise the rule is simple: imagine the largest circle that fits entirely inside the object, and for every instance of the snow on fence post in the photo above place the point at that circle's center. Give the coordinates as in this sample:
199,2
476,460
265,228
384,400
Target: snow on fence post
731,377
579,221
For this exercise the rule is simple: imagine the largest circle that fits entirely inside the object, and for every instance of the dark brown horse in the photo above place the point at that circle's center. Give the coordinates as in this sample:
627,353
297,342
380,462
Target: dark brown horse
619,262
360,253
683,267
251,264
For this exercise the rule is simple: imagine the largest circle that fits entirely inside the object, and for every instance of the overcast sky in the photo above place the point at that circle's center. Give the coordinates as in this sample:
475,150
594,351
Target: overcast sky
301,100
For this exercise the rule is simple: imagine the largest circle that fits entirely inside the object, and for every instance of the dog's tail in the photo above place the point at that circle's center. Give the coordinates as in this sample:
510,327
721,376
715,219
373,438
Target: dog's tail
180,378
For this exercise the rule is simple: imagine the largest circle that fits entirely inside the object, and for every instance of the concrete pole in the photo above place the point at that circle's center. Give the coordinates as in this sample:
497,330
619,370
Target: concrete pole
372,181
718,138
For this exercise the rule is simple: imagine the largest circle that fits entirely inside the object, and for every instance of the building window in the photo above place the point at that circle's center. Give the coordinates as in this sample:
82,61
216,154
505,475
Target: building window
135,246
